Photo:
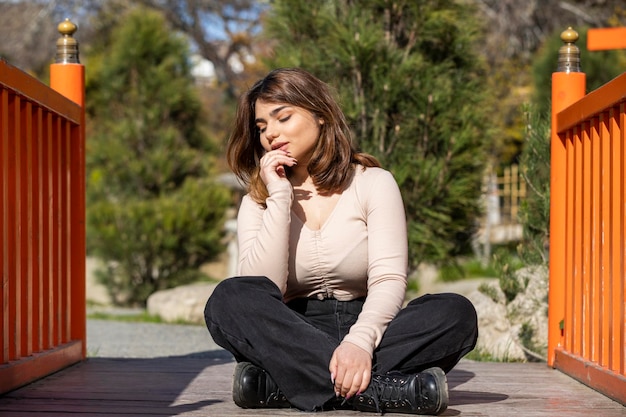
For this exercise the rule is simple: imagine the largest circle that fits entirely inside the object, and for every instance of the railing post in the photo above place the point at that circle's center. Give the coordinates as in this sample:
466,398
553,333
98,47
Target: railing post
67,76
568,86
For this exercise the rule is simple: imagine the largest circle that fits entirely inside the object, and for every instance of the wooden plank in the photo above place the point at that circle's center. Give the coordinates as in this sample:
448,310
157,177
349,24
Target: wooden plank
609,95
619,286
574,323
202,387
570,236
38,232
11,260
28,229
18,373
604,380
584,308
595,295
603,39
77,249
18,81
606,226
4,226
55,232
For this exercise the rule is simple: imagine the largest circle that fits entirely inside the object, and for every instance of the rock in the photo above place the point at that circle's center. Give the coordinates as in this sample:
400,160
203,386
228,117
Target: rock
96,293
530,307
502,325
496,336
499,323
184,303
492,290
427,276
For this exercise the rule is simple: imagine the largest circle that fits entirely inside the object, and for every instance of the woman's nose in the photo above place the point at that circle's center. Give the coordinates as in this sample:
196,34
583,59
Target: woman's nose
271,132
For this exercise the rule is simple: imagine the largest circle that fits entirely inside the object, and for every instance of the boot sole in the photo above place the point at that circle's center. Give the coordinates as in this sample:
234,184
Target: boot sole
442,385
238,397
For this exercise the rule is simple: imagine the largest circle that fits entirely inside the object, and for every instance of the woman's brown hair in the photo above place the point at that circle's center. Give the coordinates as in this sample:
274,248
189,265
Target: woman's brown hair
332,163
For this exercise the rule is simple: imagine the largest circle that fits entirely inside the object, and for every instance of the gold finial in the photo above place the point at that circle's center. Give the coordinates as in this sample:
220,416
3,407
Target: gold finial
67,46
569,54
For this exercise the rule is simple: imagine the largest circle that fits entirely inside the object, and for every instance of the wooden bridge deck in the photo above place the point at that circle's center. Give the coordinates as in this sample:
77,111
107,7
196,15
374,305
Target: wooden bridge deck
192,386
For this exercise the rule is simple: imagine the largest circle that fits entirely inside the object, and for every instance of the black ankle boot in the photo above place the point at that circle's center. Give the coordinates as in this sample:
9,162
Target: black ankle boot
425,393
254,388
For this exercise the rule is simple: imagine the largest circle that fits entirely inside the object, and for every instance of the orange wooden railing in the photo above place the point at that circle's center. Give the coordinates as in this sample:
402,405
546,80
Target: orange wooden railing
587,308
42,224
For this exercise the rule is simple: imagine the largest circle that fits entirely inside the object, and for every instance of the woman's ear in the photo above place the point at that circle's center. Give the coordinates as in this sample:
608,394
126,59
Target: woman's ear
320,121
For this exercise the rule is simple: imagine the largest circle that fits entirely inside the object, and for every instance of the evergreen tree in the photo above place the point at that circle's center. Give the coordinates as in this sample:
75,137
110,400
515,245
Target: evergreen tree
412,86
535,209
154,214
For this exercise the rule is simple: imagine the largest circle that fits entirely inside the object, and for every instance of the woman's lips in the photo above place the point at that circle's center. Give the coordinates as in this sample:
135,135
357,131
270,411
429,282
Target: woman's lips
280,145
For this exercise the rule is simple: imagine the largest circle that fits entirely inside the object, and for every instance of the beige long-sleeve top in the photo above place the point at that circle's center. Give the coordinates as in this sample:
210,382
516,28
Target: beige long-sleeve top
361,249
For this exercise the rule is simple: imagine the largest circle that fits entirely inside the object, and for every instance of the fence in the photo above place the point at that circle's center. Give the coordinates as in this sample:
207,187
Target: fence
42,246
502,196
588,230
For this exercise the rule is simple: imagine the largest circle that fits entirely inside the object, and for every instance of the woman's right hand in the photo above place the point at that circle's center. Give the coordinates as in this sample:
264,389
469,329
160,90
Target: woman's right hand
272,165
350,369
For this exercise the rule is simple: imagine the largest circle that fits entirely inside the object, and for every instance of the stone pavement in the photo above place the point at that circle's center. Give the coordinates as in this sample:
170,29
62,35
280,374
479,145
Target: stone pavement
118,339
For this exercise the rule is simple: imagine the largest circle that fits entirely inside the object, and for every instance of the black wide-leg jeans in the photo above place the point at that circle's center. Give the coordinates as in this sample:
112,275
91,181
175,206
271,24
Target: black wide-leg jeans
294,342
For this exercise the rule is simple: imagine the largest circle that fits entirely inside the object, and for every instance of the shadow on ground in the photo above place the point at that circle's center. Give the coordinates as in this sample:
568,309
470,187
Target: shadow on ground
122,386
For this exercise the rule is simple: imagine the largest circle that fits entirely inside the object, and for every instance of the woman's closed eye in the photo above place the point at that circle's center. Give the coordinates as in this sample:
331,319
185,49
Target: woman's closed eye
263,128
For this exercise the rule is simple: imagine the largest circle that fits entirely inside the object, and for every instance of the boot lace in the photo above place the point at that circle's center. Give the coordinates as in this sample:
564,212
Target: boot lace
388,392
275,397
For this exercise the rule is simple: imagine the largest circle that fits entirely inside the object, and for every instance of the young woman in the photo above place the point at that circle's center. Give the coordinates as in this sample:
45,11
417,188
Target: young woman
315,318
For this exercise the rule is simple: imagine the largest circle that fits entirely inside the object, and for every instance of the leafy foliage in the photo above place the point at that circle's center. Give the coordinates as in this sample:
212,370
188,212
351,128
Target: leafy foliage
514,32
412,87
535,209
154,214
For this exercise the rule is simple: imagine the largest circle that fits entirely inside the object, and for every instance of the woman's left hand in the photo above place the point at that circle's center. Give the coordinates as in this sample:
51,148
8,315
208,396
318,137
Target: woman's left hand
350,369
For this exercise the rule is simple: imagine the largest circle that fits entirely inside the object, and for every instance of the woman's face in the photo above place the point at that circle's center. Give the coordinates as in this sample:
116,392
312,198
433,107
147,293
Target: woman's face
287,127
